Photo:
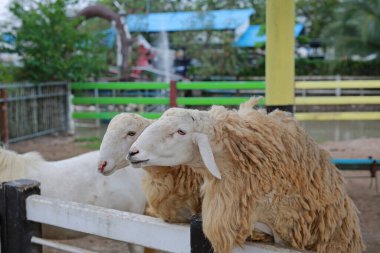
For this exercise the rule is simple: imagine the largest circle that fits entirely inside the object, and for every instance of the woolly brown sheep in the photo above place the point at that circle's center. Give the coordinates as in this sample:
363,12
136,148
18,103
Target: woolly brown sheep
259,168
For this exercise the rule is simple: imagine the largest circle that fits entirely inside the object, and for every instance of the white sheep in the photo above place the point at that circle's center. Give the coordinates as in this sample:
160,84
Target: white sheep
173,194
76,179
256,167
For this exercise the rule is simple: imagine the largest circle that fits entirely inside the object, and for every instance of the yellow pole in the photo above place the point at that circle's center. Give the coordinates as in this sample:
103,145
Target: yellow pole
279,59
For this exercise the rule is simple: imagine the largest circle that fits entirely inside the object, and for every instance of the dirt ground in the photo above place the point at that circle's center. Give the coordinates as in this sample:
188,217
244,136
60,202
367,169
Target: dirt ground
368,202
52,147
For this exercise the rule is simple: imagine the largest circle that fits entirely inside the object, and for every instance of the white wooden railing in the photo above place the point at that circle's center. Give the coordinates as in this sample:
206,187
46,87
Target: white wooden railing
113,224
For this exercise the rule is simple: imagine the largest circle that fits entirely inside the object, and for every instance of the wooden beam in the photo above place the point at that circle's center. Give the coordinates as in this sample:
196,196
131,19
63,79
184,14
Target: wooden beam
362,84
279,59
332,100
123,226
128,227
303,116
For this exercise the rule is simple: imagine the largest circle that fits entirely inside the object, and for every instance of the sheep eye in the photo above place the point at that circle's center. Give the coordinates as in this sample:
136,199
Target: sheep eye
181,132
131,133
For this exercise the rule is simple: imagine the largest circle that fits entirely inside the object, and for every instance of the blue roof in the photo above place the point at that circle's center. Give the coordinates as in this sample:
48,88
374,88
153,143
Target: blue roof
188,21
251,36
8,38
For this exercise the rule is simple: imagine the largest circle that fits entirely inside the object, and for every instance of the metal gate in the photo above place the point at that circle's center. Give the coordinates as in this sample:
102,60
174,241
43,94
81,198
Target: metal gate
31,110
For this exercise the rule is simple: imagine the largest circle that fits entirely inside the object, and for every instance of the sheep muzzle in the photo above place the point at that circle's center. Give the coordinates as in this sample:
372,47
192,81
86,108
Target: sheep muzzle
101,166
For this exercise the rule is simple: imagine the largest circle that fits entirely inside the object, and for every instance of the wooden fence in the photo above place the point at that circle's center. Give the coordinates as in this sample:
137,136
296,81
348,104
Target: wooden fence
22,211
346,93
231,94
30,110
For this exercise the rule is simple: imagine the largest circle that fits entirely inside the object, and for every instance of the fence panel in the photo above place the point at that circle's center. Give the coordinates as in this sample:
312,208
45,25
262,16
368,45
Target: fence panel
123,226
118,225
338,100
314,100
31,110
162,98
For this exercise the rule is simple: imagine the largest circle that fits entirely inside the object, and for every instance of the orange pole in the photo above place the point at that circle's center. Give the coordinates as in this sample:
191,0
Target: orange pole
173,94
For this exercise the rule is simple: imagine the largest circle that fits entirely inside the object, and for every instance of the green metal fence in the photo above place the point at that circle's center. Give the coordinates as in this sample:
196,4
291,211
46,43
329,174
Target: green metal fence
239,91
90,94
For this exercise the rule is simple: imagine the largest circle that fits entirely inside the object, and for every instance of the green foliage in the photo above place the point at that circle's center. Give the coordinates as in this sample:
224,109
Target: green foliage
222,59
212,57
7,73
304,67
92,142
302,39
133,6
51,46
317,14
356,29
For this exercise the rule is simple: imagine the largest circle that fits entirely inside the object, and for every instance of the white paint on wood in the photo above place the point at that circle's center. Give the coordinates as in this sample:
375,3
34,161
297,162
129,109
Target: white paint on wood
60,246
123,226
113,224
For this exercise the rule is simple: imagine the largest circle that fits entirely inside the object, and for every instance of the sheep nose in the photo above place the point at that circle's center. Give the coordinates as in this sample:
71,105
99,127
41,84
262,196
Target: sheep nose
101,166
133,152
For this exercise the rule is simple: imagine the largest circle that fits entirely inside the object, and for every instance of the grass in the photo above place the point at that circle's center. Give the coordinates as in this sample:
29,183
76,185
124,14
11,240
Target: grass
92,142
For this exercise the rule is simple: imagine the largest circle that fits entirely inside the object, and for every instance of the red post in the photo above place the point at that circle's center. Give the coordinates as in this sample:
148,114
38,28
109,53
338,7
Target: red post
173,94
4,122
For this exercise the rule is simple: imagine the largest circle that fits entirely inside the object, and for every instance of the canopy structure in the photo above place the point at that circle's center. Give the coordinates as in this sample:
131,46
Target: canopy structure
234,19
252,36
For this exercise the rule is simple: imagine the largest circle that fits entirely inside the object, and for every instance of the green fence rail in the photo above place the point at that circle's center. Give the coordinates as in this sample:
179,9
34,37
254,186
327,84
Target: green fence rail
121,100
81,99
212,100
238,85
110,115
120,86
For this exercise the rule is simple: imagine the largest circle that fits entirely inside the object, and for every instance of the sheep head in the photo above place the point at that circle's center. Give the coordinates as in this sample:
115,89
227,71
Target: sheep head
180,136
121,132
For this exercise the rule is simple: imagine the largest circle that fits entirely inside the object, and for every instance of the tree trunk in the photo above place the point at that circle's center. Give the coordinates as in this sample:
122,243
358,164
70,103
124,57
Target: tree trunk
125,37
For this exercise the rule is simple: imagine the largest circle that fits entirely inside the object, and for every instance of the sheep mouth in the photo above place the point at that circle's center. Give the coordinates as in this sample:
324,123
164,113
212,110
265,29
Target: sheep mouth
108,172
138,163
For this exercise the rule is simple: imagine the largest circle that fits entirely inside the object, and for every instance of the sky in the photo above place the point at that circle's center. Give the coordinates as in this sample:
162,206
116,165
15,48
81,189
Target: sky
4,13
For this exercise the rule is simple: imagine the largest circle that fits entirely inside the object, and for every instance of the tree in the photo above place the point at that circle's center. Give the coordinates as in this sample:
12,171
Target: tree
50,45
214,58
316,15
220,59
356,29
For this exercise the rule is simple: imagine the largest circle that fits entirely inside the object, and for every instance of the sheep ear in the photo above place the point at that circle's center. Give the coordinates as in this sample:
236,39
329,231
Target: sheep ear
206,152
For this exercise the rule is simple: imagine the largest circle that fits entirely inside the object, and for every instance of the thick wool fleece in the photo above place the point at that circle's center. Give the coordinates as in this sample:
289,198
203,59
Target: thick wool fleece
173,193
273,172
